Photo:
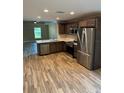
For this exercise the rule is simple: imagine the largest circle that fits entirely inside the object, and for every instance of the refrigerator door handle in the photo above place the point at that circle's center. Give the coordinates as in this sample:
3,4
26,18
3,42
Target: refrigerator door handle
86,40
83,38
79,40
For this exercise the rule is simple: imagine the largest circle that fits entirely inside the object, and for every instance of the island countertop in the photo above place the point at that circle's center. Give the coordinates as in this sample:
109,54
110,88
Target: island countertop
54,40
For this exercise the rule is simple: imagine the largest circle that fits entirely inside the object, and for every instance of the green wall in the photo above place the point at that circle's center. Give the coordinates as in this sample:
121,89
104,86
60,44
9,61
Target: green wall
49,30
28,30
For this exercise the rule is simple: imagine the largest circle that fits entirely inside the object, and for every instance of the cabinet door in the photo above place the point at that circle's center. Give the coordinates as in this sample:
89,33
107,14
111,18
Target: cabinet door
83,23
88,23
67,29
75,51
58,46
44,49
70,27
91,22
61,28
63,46
52,47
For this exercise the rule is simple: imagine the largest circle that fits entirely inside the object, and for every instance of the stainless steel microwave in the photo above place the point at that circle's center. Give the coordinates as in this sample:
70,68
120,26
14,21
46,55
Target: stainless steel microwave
73,31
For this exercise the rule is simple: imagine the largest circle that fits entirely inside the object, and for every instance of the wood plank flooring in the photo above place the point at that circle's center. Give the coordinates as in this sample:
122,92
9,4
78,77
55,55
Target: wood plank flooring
59,73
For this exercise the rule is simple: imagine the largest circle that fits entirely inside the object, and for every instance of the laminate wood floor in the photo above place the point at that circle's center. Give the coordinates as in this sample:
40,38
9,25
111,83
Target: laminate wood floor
59,73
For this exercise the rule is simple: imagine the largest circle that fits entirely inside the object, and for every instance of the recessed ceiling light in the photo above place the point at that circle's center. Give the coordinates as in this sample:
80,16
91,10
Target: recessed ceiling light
45,10
57,18
35,22
72,13
38,17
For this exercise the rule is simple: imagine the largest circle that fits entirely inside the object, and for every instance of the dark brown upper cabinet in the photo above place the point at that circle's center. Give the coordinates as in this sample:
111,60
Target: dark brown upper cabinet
71,28
67,28
61,28
88,23
83,23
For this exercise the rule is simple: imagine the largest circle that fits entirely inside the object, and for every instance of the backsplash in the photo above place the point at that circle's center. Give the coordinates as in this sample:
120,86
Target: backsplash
66,36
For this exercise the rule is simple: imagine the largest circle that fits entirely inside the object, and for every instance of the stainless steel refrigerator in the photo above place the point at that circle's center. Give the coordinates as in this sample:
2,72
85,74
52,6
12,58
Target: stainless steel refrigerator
89,48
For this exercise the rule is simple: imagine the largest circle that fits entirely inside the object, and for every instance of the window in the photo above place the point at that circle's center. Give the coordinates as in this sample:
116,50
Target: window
37,33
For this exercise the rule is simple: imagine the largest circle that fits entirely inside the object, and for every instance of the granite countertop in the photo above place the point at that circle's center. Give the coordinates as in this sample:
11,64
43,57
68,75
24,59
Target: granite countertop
29,41
66,39
55,40
46,41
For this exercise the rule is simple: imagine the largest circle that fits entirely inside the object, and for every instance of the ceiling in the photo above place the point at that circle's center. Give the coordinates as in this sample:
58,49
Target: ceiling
34,8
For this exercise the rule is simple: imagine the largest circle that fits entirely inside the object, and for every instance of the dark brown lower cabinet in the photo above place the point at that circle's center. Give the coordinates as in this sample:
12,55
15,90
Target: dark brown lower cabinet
57,47
75,51
52,47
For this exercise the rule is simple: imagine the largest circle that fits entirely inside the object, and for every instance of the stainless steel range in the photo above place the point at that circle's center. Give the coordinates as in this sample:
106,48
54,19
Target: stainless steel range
71,47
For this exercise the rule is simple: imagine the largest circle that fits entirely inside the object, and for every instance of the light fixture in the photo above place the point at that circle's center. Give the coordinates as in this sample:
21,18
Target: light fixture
35,22
45,10
57,18
72,13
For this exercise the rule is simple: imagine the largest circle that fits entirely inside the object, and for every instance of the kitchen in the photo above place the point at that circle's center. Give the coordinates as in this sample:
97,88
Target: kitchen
62,49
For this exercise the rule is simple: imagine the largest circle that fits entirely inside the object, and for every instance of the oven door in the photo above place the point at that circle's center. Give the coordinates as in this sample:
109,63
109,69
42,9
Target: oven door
70,48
